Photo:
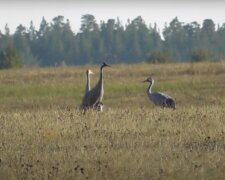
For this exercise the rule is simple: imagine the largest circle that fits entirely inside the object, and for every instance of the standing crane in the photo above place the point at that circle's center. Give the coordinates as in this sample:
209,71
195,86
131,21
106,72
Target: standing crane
158,98
94,97
88,85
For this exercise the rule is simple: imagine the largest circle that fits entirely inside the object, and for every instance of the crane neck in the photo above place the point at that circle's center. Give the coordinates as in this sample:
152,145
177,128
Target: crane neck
101,75
149,90
88,85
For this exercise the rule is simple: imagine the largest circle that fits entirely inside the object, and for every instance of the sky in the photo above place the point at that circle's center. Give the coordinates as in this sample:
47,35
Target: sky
16,12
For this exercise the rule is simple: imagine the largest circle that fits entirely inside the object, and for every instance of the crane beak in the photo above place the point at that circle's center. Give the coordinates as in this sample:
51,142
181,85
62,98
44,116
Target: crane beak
104,64
91,72
147,80
107,65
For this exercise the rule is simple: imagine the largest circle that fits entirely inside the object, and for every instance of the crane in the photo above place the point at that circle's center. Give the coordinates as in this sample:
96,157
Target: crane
159,98
88,86
94,97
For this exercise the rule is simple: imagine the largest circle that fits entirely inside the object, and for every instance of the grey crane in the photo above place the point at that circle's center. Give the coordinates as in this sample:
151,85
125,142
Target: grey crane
93,98
88,86
158,98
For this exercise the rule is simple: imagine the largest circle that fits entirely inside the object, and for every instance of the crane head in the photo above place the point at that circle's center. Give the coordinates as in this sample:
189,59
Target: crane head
104,65
149,79
90,71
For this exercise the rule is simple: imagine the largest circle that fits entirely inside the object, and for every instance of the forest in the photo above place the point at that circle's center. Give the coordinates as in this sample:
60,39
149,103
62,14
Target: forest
54,43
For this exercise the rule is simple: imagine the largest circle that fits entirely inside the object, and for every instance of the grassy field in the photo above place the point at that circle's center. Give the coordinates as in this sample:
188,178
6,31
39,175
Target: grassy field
44,136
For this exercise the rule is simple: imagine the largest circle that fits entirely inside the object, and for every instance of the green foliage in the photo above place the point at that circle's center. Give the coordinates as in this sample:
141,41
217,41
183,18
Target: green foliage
21,42
200,55
55,44
159,57
9,58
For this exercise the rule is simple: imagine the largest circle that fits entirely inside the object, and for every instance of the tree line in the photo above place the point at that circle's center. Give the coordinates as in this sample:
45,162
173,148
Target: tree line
54,43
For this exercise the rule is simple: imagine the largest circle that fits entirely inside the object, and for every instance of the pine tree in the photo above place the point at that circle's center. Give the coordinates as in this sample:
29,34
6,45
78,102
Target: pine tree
9,58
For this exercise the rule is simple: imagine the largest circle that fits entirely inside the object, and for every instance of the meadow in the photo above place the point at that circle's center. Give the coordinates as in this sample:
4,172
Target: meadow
43,135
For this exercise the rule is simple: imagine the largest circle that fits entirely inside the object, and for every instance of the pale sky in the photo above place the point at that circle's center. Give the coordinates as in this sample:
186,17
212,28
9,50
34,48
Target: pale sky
15,12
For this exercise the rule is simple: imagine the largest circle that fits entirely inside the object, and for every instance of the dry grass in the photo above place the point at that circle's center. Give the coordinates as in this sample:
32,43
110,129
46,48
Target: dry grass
44,136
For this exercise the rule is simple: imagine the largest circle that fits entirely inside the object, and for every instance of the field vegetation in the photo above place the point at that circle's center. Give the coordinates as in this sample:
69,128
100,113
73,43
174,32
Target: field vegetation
43,135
